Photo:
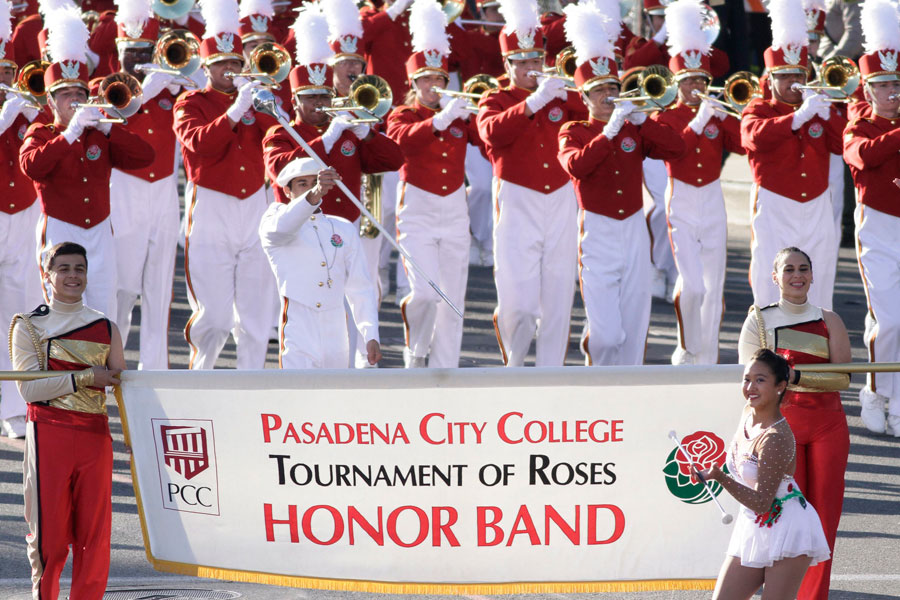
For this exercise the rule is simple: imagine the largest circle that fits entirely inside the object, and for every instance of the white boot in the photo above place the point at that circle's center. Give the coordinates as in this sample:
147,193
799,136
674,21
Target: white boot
872,413
683,357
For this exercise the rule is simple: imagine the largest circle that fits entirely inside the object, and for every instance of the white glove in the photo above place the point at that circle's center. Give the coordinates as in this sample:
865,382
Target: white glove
396,8
339,124
361,130
448,114
825,112
660,36
617,119
154,83
84,117
549,88
704,114
12,108
444,100
243,102
810,107
104,128
637,118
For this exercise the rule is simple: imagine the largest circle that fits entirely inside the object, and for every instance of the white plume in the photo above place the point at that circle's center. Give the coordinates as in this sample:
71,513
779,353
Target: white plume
428,26
67,34
311,32
133,12
880,25
788,24
610,8
343,18
814,4
47,7
521,16
221,16
683,18
590,31
5,20
256,7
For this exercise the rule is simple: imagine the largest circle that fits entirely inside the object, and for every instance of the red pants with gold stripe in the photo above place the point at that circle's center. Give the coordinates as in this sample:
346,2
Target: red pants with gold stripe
68,486
823,444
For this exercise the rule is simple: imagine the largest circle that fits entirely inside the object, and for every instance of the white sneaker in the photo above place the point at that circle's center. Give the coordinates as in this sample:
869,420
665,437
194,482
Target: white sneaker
14,427
658,284
683,357
893,426
872,413
414,362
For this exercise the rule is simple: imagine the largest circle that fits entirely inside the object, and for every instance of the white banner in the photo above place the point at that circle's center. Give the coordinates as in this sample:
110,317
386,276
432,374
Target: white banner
475,481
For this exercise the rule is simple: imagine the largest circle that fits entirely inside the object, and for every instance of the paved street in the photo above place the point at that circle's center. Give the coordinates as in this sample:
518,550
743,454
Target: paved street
867,557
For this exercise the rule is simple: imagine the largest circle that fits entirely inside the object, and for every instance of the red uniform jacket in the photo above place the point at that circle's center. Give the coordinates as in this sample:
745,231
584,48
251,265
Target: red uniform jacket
24,40
554,36
701,162
872,150
789,163
388,44
486,48
522,149
435,160
642,52
103,43
153,123
350,157
72,181
19,193
608,174
216,155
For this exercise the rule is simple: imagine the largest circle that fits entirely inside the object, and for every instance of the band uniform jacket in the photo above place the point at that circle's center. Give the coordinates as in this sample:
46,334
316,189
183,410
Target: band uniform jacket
19,191
608,174
872,151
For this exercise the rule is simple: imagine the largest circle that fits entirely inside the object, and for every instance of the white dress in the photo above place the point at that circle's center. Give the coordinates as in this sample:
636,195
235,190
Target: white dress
795,530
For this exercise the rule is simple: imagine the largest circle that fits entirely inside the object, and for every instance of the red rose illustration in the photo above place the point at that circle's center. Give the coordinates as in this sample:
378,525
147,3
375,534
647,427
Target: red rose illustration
705,449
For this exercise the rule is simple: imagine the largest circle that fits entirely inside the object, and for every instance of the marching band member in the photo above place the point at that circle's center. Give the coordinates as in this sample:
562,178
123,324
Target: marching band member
229,284
805,333
25,38
256,17
144,202
788,139
68,448
350,148
695,206
316,269
70,160
603,156
535,212
19,213
485,42
345,37
871,147
432,215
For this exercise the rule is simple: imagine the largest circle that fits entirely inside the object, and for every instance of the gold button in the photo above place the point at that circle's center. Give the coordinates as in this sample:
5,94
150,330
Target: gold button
546,166
242,168
84,179
406,44
444,154
616,173
699,165
443,170
87,221
440,139
443,187
81,159
698,150
313,218
699,180
619,192
803,195
802,174
12,184
546,187
318,305
146,112
621,211
12,205
152,175
86,200
243,191
321,284
150,131
337,199
323,263
802,155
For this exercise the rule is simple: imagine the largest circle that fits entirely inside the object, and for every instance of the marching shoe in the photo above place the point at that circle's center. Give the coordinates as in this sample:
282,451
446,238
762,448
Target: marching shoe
872,413
683,357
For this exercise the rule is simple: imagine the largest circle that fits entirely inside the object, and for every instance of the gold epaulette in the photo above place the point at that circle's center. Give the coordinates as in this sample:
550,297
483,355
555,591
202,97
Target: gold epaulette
271,130
569,124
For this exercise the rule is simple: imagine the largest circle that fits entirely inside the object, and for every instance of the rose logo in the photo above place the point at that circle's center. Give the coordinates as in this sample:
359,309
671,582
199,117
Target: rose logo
165,104
628,144
93,152
249,118
336,241
456,132
22,131
705,449
555,114
816,130
711,131
348,148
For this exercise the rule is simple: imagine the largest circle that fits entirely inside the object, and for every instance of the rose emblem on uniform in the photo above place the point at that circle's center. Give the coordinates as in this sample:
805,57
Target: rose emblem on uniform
456,132
165,104
628,144
249,118
711,131
336,241
21,133
705,449
93,152
816,130
348,148
555,114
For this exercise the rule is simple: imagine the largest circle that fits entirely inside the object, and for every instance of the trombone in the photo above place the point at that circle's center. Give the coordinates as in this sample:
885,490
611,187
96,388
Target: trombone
119,94
566,64
655,89
30,84
272,59
177,53
838,78
30,100
739,89
369,94
474,89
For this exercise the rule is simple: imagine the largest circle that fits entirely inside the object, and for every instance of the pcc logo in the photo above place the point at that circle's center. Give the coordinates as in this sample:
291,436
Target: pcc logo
186,458
706,449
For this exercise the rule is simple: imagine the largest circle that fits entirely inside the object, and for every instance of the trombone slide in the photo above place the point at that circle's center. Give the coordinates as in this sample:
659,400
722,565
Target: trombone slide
30,100
568,88
718,104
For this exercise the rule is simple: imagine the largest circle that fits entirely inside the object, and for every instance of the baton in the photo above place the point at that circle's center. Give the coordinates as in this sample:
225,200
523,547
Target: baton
264,102
726,518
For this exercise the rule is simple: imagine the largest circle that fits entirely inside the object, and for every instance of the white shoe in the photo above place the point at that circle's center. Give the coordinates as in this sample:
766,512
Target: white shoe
658,284
402,292
893,426
414,362
872,413
683,357
14,427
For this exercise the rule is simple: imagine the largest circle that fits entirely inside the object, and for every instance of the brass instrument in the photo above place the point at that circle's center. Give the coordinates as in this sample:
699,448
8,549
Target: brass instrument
30,83
372,200
272,59
177,78
178,50
739,89
479,22
656,89
30,102
119,94
172,9
369,94
566,64
263,78
474,88
90,18
838,78
453,9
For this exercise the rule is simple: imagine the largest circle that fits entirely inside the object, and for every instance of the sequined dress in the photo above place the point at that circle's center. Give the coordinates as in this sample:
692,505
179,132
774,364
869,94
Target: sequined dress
791,527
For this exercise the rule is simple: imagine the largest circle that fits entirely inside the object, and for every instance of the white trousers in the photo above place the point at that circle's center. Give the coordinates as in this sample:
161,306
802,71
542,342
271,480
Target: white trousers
145,220
312,339
434,230
20,290
836,191
229,282
535,254
656,180
698,230
615,285
100,293
480,174
777,222
877,235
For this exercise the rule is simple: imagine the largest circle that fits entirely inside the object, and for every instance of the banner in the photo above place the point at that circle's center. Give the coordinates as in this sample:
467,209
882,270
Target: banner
434,481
